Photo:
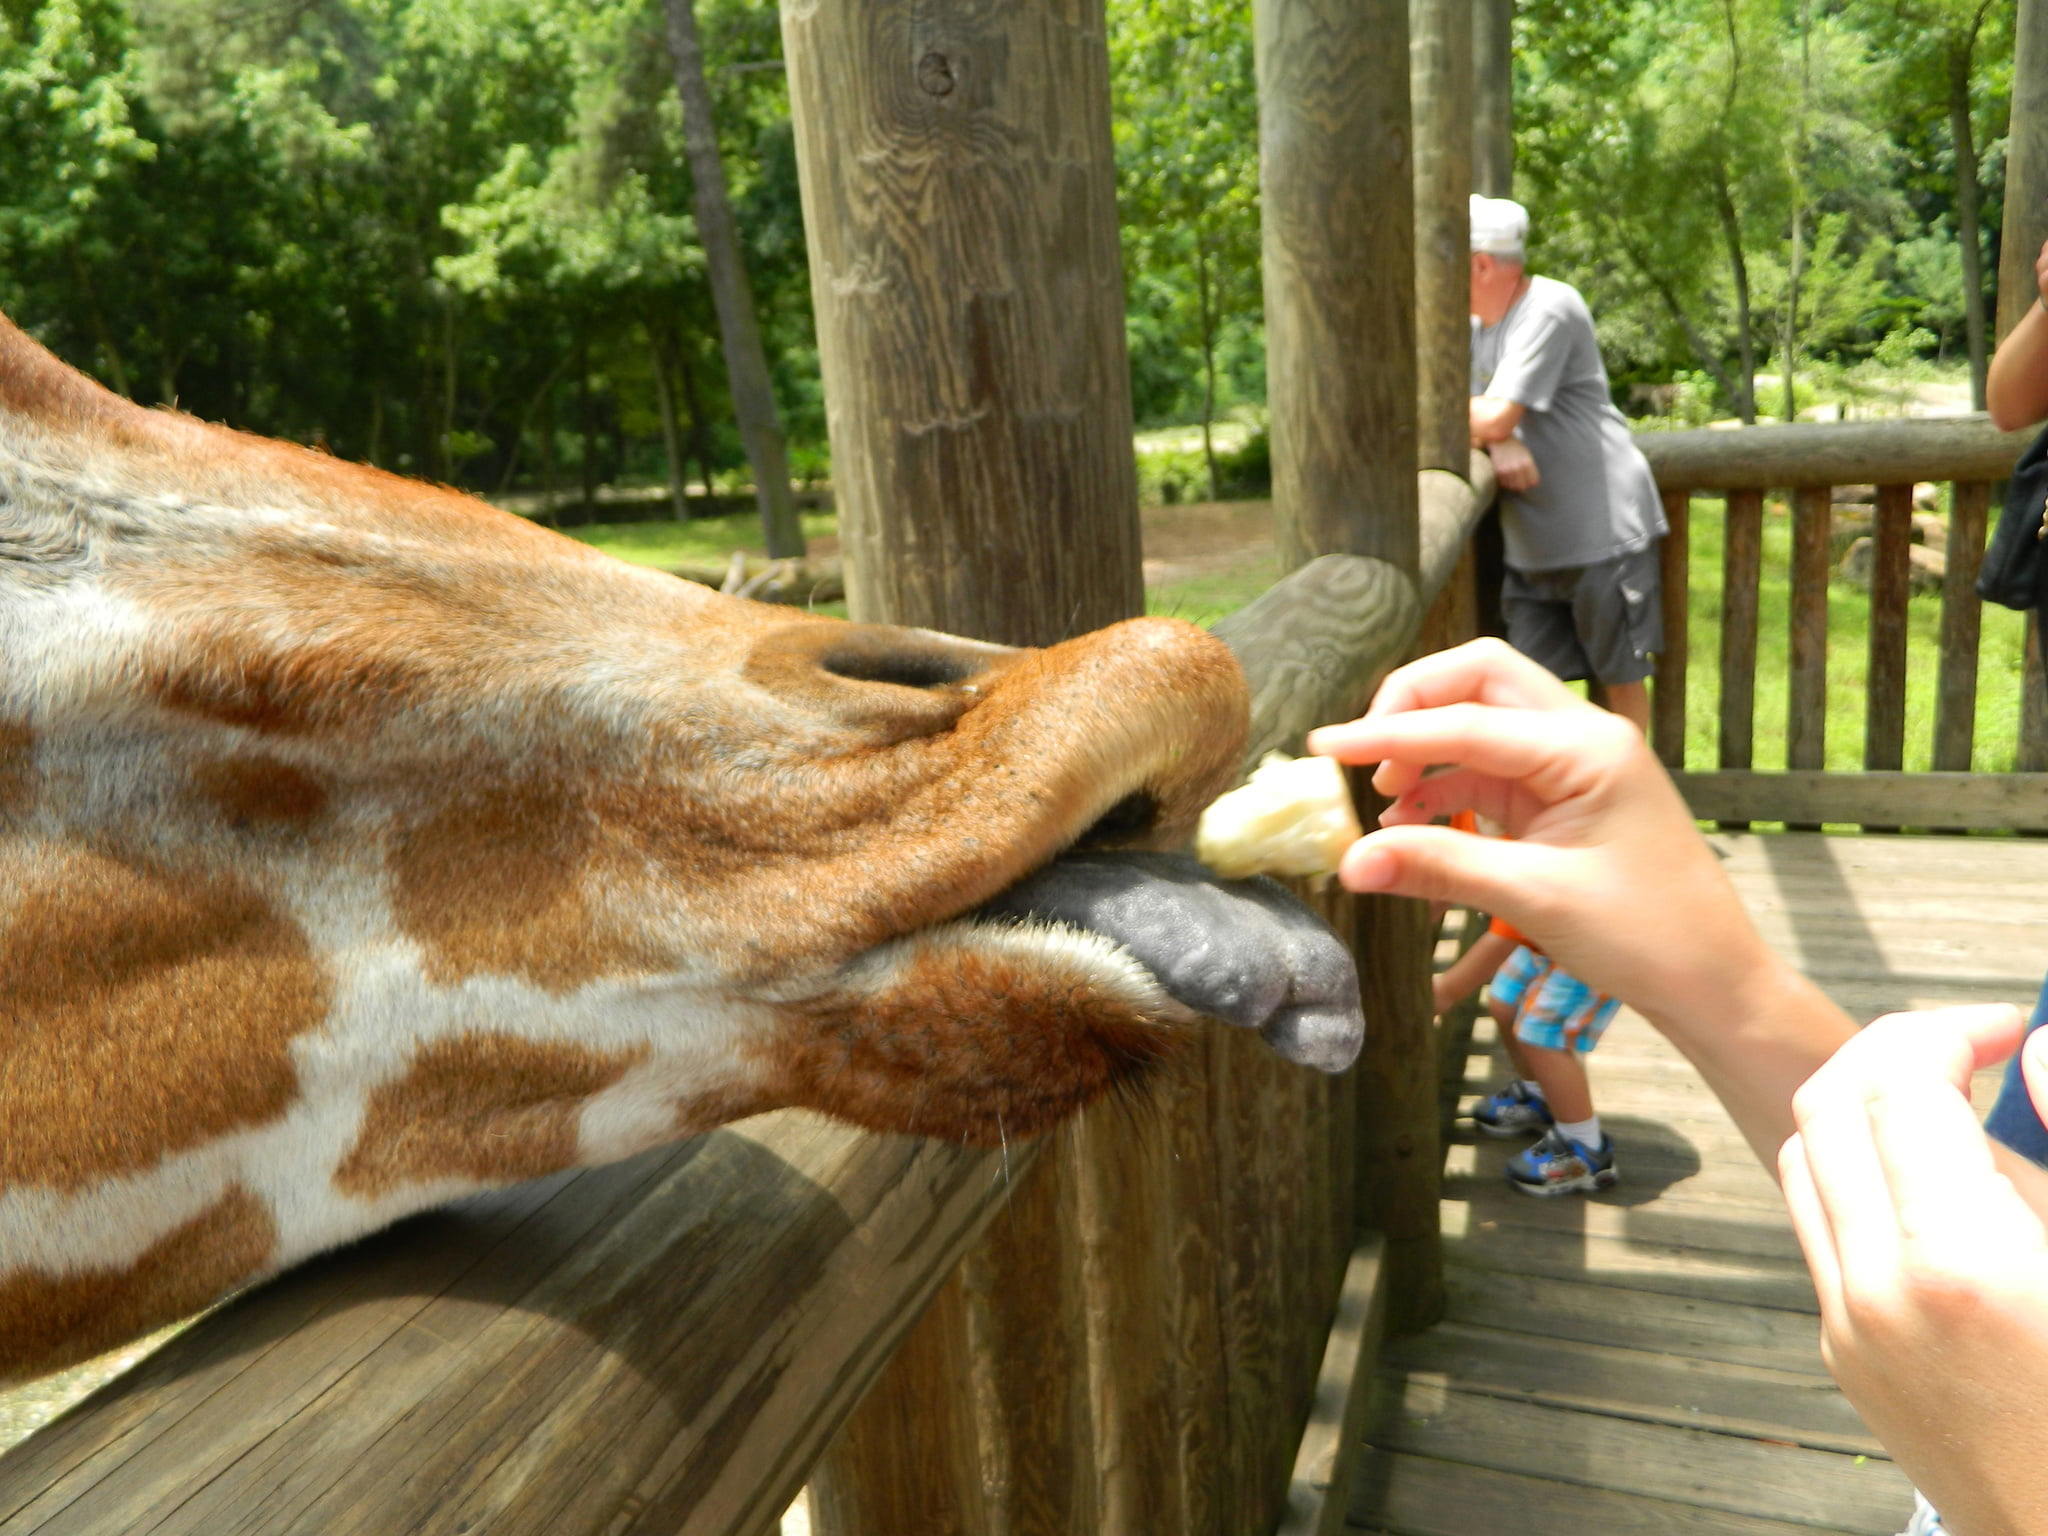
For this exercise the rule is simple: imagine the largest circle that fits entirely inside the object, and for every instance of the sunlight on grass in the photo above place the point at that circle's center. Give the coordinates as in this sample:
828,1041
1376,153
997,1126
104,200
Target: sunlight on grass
700,541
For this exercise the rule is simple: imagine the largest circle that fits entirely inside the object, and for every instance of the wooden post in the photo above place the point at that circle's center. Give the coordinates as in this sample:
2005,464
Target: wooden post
1338,189
1493,139
1667,699
1884,725
959,199
1741,568
2026,167
1441,75
1806,723
1962,614
960,207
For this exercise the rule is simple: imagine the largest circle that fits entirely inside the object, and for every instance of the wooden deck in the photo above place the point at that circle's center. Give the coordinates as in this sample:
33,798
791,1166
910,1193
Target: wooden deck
1647,1360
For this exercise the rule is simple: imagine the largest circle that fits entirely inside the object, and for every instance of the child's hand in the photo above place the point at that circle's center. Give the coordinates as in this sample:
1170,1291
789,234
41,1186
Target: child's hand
1930,1263
1604,868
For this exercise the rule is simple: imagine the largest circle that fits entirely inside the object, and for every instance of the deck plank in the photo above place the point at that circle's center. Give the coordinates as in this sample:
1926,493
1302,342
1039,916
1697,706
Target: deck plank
1648,1360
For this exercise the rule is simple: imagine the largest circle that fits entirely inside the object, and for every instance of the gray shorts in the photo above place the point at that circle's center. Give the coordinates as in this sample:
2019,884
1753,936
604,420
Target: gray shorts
1600,621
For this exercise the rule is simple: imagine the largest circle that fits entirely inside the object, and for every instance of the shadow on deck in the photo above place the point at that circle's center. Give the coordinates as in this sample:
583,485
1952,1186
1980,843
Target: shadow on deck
1648,1360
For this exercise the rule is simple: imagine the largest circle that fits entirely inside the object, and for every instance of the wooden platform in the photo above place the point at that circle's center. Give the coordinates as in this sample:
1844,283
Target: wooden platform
1647,1360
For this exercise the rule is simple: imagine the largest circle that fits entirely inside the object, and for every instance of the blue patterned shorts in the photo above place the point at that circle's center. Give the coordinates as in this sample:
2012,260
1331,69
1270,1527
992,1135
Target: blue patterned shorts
1548,1001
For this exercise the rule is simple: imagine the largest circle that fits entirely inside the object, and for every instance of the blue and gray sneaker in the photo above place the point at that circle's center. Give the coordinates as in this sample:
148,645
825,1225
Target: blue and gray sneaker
1557,1165
1513,1111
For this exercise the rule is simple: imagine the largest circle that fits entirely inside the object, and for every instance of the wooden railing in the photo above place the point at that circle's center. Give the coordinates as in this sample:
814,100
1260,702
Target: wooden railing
667,1345
1807,461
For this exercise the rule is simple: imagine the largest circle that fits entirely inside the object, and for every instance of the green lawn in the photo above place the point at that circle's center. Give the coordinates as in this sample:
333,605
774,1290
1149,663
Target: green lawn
1204,599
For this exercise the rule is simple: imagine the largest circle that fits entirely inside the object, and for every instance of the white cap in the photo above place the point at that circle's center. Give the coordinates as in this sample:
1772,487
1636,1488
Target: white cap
1500,226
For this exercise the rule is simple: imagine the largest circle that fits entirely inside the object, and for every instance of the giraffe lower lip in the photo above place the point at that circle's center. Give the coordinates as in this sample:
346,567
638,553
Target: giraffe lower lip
1243,951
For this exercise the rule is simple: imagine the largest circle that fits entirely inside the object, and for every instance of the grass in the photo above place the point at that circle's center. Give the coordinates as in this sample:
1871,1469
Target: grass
1206,598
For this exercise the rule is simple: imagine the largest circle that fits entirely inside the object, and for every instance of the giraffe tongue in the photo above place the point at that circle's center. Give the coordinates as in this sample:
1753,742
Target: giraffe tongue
1243,951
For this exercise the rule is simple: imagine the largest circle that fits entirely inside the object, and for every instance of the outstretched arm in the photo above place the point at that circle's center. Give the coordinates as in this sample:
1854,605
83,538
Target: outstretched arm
1600,852
1470,971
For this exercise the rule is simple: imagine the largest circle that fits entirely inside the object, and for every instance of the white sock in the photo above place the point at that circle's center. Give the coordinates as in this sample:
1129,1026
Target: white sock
1585,1132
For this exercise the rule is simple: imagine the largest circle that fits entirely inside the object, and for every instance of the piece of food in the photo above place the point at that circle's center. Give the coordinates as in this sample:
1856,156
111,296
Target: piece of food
1293,816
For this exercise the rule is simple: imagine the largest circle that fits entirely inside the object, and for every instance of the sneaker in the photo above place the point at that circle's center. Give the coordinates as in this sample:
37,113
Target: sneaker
1925,1521
1513,1111
1557,1165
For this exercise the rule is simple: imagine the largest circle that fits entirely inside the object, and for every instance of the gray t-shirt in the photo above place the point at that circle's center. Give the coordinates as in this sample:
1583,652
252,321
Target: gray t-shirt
1597,498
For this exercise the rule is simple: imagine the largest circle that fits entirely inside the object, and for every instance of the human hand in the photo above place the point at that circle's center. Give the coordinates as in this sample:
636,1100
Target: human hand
1600,842
1513,465
1930,1262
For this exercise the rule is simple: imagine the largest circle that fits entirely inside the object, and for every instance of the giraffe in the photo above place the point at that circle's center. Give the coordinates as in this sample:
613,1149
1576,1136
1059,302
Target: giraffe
362,846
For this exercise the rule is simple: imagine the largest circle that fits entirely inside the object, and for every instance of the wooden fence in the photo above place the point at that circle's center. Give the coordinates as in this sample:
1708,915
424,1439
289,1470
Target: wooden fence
1807,462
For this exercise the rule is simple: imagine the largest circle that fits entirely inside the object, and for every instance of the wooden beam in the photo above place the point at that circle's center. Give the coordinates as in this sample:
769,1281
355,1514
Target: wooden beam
960,210
1806,724
1440,53
1319,1493
1988,802
1783,456
1336,188
656,1347
1493,135
2026,167
1962,615
1884,720
1667,697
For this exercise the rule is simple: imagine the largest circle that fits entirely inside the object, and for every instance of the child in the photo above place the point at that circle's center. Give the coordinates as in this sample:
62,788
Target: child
1548,1021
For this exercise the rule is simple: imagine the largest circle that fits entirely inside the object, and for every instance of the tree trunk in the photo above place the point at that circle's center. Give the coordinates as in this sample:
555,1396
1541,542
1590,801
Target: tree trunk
671,430
1738,272
746,363
699,423
1791,330
1969,200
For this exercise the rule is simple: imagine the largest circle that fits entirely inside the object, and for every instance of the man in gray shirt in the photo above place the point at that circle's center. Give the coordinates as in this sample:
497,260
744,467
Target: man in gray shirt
1580,515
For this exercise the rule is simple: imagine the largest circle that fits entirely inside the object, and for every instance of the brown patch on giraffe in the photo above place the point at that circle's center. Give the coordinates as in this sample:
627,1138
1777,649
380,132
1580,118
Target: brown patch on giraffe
260,792
495,882
489,1108
707,1111
17,769
230,681
51,1321
928,1056
148,1011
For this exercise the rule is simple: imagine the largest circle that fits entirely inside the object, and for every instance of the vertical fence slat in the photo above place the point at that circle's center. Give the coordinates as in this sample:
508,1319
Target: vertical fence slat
1200,1359
1807,705
1742,553
1955,705
1667,702
2033,752
1884,723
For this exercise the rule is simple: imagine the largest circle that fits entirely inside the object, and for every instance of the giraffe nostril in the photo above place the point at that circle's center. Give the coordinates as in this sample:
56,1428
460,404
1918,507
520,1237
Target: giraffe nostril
904,668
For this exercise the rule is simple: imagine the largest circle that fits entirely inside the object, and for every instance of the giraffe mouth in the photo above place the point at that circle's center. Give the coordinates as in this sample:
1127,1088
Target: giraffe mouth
1241,951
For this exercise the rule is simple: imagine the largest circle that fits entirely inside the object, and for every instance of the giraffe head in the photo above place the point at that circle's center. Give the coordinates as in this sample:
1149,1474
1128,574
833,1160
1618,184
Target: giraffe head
361,845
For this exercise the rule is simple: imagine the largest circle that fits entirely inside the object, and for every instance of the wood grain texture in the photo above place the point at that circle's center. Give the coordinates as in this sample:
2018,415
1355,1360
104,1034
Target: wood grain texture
1989,802
1806,725
1338,240
2033,749
663,1345
1786,456
2026,167
1318,1492
1884,720
1667,698
1962,614
1741,572
1493,87
1440,73
959,204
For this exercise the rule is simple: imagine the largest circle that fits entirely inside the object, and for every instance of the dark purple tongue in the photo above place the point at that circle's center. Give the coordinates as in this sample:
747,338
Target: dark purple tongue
1243,951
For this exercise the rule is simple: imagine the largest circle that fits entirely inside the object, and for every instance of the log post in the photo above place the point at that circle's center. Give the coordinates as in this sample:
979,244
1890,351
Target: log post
1493,138
1440,52
2026,167
1337,188
958,185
